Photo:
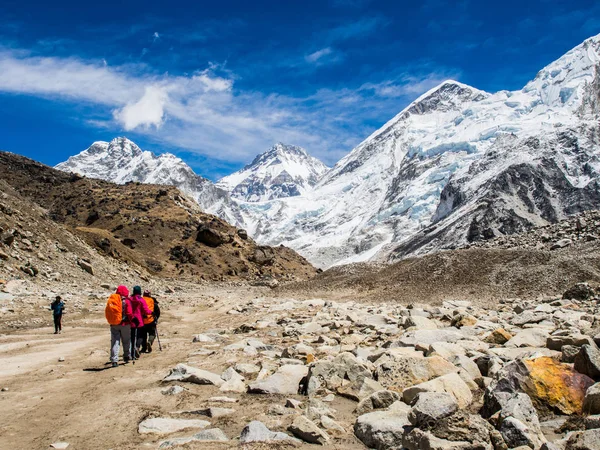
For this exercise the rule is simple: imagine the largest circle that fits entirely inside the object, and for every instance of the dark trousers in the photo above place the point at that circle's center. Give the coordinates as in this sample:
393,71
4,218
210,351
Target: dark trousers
57,322
148,335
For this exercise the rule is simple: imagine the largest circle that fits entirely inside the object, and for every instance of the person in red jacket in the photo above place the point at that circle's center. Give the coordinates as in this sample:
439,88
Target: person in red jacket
121,332
140,310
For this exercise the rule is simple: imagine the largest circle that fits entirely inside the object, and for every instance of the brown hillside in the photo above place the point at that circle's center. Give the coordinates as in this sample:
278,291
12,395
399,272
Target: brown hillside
153,226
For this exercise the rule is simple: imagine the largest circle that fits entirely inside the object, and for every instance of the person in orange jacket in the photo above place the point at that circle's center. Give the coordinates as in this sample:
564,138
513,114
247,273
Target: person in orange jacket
149,329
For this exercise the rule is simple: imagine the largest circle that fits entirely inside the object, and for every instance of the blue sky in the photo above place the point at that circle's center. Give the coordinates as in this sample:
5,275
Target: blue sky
217,83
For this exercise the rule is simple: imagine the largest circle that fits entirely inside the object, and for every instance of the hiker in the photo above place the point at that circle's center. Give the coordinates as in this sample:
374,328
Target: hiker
118,313
58,308
139,311
149,328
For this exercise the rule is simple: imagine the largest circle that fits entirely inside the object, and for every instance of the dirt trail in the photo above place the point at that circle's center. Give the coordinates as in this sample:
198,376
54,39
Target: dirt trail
83,402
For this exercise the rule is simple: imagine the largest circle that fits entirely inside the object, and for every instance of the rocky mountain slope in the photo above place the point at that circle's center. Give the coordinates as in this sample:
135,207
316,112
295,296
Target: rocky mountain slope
121,161
152,226
282,171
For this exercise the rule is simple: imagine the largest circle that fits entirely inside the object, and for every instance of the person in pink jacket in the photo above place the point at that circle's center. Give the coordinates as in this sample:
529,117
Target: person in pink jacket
139,311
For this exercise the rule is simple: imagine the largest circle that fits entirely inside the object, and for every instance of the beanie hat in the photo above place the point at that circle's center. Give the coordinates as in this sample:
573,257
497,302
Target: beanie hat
137,290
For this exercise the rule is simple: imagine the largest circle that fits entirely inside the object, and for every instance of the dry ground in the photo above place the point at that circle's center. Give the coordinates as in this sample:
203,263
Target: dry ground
81,402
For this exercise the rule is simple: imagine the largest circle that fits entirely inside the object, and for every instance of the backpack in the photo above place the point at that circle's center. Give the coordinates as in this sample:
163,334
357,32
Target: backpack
114,309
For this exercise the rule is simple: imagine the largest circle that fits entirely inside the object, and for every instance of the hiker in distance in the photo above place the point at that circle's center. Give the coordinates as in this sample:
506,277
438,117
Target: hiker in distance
119,314
58,308
140,310
149,328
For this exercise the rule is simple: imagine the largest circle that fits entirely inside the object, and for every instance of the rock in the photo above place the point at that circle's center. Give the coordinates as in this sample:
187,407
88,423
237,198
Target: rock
515,434
417,439
528,338
431,407
293,403
223,400
210,237
7,238
256,431
465,427
580,291
203,338
592,422
172,390
60,445
85,265
558,342
234,382
3,256
421,323
331,425
61,359
243,234
463,320
359,389
161,425
569,353
450,383
550,384
584,440
587,361
285,381
401,371
306,430
428,337
213,412
211,435
377,400
183,372
561,244
591,402
247,369
383,430
330,374
499,336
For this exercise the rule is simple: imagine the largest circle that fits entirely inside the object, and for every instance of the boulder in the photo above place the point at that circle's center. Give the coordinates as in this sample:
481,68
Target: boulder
555,342
330,374
552,386
587,361
579,291
377,400
430,407
162,425
451,383
465,427
530,337
499,336
584,440
359,389
516,434
398,372
234,382
286,380
256,431
183,372
306,430
428,337
421,323
417,439
211,435
210,237
383,430
591,402
85,265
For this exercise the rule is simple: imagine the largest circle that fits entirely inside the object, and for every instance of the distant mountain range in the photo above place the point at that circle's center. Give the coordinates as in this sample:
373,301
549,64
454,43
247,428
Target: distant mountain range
456,165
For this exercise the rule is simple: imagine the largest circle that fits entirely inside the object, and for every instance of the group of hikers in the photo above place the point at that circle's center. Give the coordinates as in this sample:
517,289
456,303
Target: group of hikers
133,321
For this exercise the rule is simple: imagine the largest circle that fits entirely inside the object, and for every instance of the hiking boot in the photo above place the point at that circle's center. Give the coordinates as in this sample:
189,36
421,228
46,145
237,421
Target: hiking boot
137,354
56,332
126,360
114,364
149,349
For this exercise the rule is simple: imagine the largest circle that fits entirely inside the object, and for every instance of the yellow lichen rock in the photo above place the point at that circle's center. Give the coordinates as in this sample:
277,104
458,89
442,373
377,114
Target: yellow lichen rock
556,385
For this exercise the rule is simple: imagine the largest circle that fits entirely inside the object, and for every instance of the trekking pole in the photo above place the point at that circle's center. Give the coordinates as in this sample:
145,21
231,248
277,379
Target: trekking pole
157,336
133,346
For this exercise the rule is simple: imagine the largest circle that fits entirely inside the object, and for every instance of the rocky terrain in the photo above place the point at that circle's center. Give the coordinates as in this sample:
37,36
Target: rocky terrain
242,367
148,226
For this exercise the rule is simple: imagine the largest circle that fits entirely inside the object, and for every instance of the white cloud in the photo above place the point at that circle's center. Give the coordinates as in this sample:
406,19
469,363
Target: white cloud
155,36
147,111
319,54
204,113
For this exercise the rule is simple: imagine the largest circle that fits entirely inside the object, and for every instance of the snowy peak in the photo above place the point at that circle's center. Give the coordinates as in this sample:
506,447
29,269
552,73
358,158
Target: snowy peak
449,95
121,161
282,171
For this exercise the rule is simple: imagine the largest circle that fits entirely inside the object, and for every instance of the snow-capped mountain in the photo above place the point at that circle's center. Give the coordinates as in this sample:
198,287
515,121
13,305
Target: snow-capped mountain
282,171
457,162
121,161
